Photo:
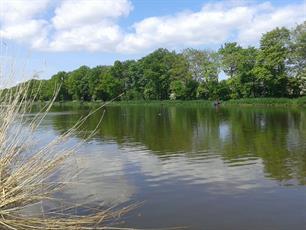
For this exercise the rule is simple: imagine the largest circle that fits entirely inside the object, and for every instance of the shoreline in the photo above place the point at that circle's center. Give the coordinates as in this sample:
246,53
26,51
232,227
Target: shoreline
246,102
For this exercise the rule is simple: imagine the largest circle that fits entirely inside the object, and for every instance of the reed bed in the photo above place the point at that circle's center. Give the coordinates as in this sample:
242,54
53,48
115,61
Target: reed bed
27,176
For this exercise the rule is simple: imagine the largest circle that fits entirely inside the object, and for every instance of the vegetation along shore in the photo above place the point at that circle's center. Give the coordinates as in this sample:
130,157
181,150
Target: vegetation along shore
276,69
276,102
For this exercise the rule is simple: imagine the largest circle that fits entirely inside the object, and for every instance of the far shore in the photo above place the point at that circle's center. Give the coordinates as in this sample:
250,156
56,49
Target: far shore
268,102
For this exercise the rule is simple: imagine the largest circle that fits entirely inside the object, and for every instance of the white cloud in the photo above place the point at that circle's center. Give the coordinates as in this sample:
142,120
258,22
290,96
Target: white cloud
270,18
76,25
213,24
21,30
19,10
22,21
88,25
73,13
93,25
97,37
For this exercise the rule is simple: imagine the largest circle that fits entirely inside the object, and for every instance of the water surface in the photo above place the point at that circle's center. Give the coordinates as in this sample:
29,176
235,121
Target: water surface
198,167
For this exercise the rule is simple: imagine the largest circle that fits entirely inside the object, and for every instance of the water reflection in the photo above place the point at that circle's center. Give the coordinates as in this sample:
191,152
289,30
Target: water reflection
102,179
222,161
275,137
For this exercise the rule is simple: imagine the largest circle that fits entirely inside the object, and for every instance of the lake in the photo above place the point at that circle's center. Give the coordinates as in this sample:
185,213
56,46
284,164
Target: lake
191,166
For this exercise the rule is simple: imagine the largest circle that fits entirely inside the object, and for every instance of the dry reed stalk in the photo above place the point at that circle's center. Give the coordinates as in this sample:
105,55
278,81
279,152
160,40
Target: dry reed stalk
26,176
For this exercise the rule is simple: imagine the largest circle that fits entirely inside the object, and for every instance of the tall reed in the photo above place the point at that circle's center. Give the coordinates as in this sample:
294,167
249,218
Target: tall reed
27,174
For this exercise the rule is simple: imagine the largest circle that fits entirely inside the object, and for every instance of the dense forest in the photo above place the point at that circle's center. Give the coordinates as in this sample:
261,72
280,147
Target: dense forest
277,68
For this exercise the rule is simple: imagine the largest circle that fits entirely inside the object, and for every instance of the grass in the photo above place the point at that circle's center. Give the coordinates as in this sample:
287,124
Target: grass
278,102
297,102
27,175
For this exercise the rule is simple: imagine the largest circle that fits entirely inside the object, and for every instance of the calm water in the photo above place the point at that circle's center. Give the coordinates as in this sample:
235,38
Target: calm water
201,168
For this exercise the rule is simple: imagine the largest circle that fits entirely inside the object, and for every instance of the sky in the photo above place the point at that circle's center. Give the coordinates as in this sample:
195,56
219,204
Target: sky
47,36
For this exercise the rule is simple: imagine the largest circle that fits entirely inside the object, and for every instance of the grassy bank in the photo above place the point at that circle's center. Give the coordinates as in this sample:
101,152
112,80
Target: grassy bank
278,102
297,102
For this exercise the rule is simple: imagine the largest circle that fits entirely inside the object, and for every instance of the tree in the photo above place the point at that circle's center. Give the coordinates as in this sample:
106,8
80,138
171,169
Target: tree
238,64
78,85
177,89
245,75
271,63
109,87
298,57
156,74
180,78
223,90
276,69
204,69
94,79
129,73
230,58
59,80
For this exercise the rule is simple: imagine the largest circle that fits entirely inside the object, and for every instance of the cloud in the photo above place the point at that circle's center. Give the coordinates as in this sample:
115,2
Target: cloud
94,25
76,25
22,22
213,24
208,26
13,11
73,13
88,25
266,18
98,37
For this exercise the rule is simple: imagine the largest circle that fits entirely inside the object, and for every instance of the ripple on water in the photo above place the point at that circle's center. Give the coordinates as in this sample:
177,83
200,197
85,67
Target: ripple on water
190,168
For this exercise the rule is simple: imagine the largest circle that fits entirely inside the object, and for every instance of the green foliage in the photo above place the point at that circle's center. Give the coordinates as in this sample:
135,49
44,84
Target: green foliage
109,87
238,64
204,69
230,54
270,67
78,85
224,90
276,69
178,89
298,56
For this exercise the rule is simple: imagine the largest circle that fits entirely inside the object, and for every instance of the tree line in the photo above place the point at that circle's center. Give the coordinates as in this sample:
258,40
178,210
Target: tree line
277,68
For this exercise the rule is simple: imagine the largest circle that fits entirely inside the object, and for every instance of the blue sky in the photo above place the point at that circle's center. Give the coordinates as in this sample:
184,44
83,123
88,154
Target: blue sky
48,36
